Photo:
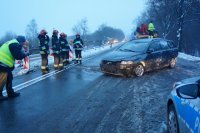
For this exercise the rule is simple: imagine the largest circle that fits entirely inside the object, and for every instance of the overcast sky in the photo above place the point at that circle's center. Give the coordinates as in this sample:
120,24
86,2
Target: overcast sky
64,14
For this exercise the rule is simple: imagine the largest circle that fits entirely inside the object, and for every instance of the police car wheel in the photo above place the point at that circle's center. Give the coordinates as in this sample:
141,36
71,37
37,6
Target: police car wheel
172,120
139,70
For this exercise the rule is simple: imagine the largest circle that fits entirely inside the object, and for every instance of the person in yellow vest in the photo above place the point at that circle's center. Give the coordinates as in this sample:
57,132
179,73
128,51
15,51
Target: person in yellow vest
10,51
151,29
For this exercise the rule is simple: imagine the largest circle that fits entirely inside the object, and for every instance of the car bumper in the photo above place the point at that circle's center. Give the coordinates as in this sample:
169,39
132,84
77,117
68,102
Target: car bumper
119,70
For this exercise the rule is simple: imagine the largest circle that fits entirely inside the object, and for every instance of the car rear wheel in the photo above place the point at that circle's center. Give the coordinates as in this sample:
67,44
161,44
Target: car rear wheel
172,120
172,63
139,70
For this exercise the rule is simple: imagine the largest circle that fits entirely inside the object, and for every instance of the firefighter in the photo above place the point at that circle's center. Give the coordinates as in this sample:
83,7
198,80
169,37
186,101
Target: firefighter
78,46
44,50
64,48
9,52
151,29
56,49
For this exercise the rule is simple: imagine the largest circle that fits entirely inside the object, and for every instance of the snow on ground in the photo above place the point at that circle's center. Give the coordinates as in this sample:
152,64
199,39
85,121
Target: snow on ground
188,57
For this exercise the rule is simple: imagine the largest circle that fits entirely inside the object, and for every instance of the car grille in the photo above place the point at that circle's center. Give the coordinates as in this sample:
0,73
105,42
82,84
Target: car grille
110,66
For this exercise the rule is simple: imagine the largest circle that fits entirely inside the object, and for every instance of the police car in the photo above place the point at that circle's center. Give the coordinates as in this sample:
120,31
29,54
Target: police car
183,107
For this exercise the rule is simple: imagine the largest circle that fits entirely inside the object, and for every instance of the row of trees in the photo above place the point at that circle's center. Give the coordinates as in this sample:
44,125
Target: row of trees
178,20
102,34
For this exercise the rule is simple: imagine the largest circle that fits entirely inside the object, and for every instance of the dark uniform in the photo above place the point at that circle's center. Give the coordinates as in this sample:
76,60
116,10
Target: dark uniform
56,49
78,46
64,48
10,51
44,50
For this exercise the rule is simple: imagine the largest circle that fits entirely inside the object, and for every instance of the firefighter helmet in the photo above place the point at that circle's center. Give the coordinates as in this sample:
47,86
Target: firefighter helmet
43,32
63,34
78,34
55,32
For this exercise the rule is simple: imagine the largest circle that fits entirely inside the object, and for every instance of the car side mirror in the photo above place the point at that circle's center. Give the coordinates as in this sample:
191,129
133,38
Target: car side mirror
188,91
149,51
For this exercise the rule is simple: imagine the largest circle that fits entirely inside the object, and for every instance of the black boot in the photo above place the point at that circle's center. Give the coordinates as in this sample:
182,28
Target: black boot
80,61
14,94
76,62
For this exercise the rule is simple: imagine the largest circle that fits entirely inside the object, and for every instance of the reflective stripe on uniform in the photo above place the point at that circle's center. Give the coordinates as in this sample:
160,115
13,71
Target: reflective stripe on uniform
43,48
77,42
42,52
60,64
55,65
64,49
43,67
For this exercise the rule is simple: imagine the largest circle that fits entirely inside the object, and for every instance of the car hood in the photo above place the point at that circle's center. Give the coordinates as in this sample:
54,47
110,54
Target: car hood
123,55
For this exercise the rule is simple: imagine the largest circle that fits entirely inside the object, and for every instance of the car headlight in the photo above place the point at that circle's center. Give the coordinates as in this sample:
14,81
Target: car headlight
127,62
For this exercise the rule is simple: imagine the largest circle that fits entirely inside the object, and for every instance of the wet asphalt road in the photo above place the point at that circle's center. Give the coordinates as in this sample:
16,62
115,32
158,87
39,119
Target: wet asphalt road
83,100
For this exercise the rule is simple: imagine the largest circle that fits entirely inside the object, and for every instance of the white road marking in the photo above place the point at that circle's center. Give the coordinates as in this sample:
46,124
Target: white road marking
40,78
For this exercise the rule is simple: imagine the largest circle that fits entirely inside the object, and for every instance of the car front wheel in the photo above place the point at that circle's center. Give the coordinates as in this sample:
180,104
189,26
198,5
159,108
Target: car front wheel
139,70
172,63
172,120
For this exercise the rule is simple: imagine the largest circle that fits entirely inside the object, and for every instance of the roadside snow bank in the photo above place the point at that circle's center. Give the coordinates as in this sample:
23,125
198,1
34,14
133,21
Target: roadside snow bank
188,57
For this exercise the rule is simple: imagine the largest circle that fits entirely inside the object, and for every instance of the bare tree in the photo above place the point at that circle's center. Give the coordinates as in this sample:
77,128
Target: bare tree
81,28
173,18
76,29
8,36
31,34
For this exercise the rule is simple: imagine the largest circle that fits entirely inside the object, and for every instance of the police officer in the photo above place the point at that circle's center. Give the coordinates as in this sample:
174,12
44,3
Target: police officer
10,51
44,50
56,49
78,46
64,48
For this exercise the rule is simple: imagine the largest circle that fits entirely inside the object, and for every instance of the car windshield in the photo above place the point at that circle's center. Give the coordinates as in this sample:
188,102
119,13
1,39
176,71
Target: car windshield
134,46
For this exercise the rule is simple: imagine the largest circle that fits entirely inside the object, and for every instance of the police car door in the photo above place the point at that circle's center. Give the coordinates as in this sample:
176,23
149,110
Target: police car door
190,107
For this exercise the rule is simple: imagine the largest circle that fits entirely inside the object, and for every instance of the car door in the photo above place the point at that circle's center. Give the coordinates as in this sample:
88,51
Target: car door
173,49
154,56
166,53
189,113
